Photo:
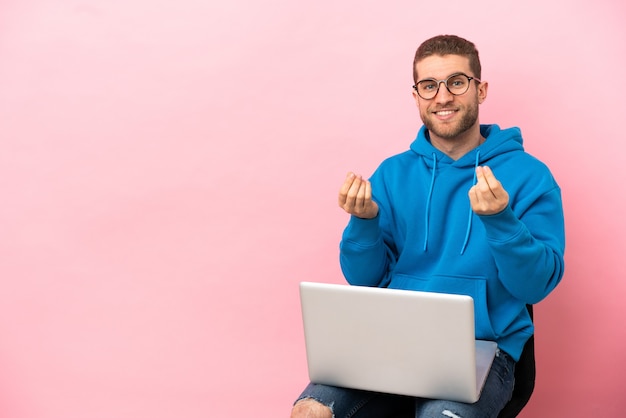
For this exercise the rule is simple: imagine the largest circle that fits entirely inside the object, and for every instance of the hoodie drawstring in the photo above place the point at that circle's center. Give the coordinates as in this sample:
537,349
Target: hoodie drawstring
430,194
470,215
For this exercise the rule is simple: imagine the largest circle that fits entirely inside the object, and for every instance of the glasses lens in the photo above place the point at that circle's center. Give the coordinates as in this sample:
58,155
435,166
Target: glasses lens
458,84
427,89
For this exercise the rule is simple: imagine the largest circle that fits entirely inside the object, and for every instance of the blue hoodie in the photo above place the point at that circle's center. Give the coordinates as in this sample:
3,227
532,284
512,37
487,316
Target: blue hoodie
426,236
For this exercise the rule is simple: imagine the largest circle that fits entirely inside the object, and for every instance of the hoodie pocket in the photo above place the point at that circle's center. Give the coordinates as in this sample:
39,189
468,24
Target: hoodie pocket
473,286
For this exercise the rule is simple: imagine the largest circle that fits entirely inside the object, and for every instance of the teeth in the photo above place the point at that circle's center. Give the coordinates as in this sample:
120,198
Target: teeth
445,113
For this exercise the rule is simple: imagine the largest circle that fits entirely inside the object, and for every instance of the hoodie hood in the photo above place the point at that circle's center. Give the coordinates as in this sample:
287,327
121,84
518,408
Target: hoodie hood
497,142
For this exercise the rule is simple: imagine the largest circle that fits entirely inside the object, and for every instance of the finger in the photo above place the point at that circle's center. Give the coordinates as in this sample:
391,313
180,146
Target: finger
368,190
353,194
365,206
494,184
345,188
364,195
474,196
490,178
486,181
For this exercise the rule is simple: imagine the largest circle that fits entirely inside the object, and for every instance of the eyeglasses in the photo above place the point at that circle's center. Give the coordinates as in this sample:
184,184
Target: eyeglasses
456,84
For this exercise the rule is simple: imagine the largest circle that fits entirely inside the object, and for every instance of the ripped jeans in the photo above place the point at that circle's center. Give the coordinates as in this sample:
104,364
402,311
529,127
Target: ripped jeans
352,403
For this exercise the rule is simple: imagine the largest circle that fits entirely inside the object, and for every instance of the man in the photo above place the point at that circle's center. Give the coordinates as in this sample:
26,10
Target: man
466,211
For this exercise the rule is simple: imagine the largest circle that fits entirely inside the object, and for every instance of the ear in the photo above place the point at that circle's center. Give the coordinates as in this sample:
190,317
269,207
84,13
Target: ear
415,97
482,91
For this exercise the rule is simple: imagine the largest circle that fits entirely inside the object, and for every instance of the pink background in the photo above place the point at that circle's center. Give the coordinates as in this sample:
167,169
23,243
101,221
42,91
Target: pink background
170,170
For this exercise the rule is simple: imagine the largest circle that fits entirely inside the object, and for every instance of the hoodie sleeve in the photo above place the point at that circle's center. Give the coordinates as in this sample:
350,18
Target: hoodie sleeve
528,248
364,256
368,251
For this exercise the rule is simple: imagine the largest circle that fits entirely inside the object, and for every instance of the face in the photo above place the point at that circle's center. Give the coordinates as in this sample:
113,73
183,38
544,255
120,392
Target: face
448,116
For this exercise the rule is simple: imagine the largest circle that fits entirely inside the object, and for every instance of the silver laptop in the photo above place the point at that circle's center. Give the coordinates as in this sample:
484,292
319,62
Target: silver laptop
403,342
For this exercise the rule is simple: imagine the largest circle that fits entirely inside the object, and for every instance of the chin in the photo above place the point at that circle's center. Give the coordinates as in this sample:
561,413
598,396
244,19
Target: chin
446,132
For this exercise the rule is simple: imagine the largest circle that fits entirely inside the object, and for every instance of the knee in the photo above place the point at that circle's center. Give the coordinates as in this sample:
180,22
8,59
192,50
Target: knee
310,408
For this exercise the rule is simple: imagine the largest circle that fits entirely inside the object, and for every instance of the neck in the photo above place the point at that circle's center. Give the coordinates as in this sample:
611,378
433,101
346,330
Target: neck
458,146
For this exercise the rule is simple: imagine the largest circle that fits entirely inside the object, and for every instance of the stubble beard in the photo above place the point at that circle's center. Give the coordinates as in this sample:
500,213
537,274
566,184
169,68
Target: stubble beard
451,131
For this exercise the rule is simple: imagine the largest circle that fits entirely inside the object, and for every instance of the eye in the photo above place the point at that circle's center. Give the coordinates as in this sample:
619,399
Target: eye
457,81
427,85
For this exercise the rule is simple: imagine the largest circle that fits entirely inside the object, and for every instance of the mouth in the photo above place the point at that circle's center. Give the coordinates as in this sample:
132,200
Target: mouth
444,114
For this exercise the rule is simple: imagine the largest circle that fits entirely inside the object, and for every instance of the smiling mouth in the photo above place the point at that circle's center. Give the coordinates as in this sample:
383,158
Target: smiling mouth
444,112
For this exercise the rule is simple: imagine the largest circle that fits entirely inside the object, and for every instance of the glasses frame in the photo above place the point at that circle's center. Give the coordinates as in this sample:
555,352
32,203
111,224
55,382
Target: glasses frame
445,83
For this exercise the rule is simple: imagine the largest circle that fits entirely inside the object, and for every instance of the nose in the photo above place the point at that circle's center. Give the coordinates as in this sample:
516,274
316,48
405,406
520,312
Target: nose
443,94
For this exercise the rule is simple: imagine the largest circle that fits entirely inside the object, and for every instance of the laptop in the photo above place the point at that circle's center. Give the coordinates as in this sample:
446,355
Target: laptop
403,342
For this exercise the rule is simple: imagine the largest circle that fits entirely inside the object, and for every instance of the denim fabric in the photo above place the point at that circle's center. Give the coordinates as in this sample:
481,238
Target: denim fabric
352,403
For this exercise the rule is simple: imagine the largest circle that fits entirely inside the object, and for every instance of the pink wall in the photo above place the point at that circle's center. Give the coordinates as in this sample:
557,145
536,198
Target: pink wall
170,172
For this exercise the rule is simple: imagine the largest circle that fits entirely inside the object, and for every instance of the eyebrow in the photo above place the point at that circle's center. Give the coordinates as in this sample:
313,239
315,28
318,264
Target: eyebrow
444,79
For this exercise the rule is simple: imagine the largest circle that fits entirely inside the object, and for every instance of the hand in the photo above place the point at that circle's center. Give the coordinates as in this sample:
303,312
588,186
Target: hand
487,196
355,197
